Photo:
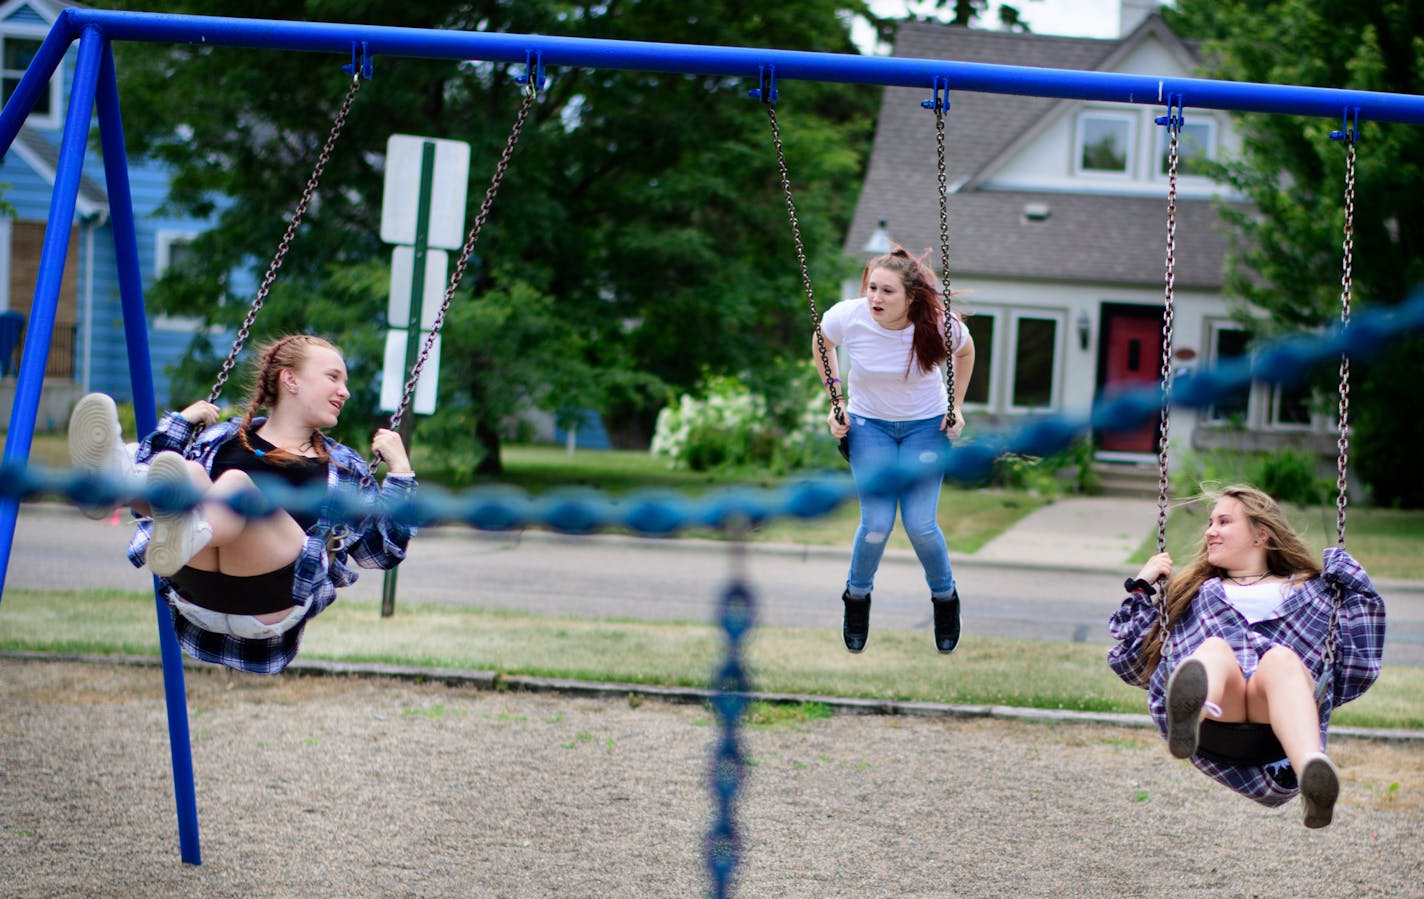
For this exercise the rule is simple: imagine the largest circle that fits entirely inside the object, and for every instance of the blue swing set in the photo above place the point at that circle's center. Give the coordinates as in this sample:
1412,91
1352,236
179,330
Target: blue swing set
95,86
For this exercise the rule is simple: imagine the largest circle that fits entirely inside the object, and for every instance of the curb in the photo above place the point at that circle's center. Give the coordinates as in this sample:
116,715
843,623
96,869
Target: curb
495,682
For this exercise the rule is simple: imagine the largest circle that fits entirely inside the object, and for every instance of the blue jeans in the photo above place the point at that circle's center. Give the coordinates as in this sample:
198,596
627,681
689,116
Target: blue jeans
874,444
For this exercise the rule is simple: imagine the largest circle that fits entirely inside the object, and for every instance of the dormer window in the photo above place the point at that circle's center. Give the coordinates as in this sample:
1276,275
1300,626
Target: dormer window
19,44
1104,145
1195,143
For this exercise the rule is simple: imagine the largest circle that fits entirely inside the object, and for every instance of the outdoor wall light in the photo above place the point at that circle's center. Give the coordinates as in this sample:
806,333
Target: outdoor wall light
1085,330
879,243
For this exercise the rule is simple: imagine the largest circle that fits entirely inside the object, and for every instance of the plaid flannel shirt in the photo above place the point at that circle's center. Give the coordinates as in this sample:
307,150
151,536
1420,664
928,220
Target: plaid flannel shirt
374,542
1300,624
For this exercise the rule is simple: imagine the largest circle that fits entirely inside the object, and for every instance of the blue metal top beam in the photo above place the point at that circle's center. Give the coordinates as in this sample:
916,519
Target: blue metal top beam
786,65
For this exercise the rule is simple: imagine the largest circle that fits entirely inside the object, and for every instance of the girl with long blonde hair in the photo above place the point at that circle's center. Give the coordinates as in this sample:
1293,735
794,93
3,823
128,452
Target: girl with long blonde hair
1244,643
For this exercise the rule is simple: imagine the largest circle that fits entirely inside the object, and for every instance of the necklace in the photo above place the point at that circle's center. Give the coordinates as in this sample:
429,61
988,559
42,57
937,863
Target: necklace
1246,580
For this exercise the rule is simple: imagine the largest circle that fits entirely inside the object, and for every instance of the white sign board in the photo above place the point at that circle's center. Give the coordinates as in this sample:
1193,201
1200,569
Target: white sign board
401,201
394,374
402,273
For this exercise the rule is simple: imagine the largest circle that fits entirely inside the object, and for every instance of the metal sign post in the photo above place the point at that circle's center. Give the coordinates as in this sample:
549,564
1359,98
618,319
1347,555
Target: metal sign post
418,169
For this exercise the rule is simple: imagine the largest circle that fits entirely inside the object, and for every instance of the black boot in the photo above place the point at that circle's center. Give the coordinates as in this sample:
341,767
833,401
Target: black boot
946,621
857,621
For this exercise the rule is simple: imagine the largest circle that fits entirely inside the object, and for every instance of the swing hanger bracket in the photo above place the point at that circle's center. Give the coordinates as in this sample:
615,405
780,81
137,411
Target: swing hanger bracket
361,64
533,77
940,99
1349,127
1173,120
765,91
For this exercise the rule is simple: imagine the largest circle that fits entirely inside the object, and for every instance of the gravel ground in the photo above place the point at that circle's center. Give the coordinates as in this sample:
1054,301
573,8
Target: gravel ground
337,786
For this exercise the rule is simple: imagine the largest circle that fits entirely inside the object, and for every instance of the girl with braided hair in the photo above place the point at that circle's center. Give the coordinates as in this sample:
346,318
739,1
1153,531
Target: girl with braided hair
241,590
895,341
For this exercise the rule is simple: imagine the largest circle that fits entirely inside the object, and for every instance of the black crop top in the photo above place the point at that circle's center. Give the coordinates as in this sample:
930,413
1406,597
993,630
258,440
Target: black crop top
298,473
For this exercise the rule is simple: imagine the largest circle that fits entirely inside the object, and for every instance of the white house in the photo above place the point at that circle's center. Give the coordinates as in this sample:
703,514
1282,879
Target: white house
1058,228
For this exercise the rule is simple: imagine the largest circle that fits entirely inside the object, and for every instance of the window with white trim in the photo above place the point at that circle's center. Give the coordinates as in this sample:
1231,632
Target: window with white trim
1033,384
174,250
1104,143
17,50
1228,342
1195,143
981,328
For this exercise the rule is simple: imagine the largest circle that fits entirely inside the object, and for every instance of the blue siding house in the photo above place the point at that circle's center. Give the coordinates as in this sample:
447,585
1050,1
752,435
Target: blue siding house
88,351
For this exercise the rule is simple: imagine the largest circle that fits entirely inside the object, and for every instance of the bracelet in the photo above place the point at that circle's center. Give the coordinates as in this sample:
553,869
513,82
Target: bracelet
1138,585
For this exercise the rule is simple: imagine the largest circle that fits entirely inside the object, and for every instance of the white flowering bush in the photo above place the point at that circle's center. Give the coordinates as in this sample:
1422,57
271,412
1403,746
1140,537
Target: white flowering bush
733,427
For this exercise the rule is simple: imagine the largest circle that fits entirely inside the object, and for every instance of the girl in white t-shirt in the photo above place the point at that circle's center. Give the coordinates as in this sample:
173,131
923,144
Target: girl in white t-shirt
898,413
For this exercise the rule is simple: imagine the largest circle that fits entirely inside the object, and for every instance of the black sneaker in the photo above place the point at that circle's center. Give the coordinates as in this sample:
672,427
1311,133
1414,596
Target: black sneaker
946,622
856,629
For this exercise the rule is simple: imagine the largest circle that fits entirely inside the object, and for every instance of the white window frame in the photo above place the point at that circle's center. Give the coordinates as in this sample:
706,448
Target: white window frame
1011,359
163,241
1209,416
1273,413
998,316
1130,162
55,117
1161,143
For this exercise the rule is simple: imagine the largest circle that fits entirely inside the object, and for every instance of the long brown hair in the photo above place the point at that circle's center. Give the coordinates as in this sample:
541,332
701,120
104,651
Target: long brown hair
1286,556
284,353
923,304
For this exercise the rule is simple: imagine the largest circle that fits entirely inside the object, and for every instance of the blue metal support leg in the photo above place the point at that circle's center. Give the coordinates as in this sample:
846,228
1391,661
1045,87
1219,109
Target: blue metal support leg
116,172
51,275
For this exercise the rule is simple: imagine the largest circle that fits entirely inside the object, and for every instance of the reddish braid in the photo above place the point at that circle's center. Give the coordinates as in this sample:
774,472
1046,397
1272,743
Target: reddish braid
925,308
284,353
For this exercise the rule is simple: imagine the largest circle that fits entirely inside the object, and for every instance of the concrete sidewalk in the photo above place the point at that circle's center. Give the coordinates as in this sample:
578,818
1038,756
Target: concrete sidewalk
1076,532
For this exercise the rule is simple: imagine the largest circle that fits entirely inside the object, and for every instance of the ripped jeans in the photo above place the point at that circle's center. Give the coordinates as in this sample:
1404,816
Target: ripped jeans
874,444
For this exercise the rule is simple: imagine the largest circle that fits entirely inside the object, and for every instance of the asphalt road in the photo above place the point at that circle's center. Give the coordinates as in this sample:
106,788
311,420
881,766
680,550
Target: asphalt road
612,576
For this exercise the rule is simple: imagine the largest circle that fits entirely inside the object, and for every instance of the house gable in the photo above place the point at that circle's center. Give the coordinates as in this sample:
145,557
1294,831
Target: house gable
1017,210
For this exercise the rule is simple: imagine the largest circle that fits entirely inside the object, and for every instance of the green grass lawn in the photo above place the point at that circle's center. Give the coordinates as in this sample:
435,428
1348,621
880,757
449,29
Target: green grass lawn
811,661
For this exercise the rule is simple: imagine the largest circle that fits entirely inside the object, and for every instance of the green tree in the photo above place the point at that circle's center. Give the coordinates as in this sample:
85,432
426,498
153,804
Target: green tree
964,13
1288,262
639,240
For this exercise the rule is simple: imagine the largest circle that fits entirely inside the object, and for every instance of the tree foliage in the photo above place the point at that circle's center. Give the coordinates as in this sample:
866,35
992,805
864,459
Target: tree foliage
1289,262
639,241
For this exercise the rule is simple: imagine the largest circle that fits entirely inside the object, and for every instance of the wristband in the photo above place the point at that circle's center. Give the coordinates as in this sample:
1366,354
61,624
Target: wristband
1138,585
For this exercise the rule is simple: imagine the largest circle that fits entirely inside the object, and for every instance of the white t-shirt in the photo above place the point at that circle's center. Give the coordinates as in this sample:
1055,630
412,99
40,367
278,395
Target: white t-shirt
885,380
1256,602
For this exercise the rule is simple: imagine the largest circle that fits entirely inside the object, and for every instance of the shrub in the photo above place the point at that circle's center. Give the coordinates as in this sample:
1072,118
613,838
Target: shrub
1290,477
733,427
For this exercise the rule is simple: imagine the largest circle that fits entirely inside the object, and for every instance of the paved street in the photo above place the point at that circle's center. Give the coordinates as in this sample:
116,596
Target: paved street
1054,588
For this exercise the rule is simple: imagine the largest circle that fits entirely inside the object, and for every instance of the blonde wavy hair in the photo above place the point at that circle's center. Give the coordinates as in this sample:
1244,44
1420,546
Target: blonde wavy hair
1286,556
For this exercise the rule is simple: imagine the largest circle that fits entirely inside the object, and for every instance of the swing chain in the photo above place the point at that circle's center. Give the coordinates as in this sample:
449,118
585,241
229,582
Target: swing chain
530,93
336,127
830,382
1346,288
1327,661
1174,124
939,107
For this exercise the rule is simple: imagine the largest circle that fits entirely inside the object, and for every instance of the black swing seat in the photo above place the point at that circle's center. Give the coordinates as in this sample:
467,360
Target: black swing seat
1238,743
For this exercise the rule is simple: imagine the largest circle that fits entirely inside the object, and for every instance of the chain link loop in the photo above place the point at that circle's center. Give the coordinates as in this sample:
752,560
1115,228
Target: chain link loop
336,127
530,93
939,107
801,261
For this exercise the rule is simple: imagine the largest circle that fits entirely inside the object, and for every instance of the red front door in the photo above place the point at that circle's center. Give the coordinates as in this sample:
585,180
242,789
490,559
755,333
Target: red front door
1134,360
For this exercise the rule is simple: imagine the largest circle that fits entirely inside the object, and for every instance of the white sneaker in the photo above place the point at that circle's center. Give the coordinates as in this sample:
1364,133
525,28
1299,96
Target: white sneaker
1319,788
176,536
96,444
